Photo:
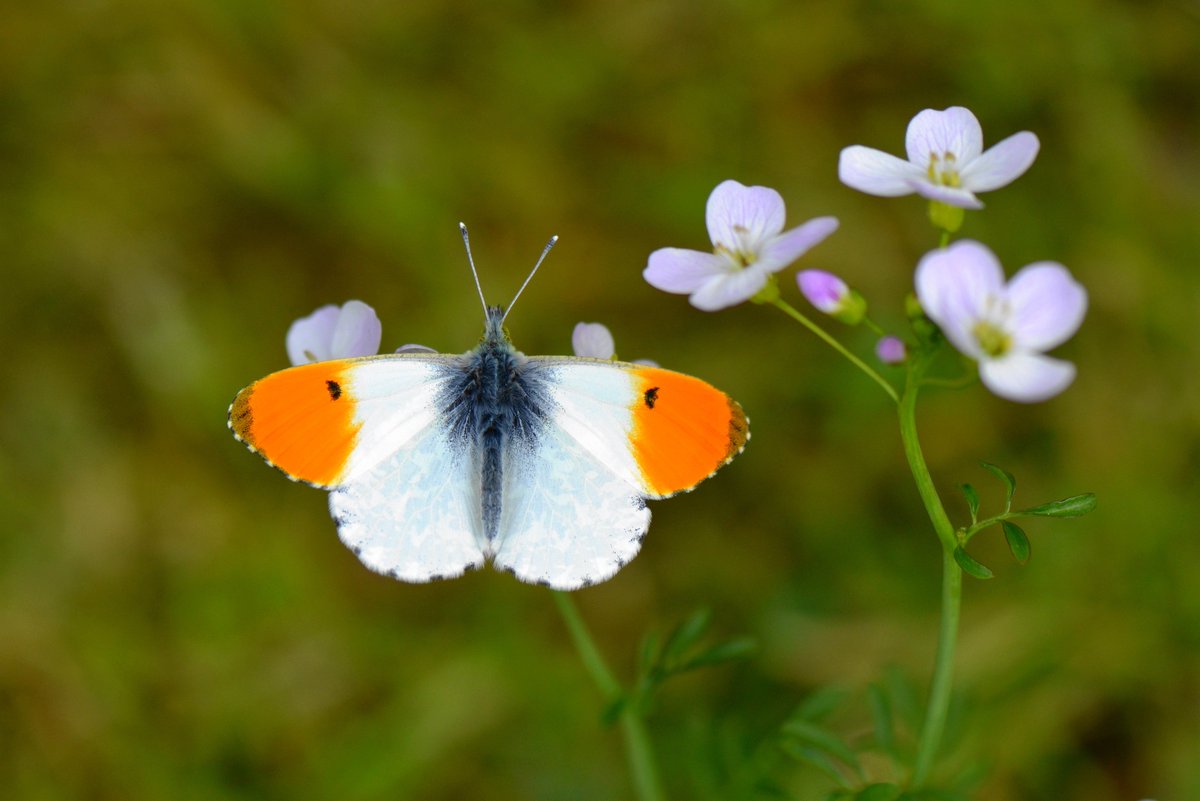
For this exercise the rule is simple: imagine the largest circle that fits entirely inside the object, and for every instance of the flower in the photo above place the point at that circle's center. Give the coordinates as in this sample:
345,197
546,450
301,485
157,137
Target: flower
946,161
1004,327
891,350
829,294
335,333
593,340
745,224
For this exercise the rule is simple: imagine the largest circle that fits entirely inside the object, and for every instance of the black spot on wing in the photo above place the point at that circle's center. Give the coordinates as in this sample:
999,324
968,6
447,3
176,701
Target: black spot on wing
651,396
335,389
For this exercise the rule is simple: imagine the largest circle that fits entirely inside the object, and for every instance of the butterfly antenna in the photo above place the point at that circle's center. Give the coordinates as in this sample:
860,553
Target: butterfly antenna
470,260
542,258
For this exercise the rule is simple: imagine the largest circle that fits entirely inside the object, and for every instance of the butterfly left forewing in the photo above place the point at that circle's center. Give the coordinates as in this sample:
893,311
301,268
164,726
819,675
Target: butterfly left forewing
404,495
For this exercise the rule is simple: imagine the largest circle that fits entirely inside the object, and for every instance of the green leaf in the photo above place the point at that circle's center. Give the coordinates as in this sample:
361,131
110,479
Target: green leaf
731,651
881,717
904,697
970,566
878,792
1074,506
1010,482
613,711
816,758
810,734
972,500
685,636
820,703
649,653
1018,543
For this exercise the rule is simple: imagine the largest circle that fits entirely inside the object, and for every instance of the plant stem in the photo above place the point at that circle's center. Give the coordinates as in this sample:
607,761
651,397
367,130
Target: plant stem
943,673
642,767
787,309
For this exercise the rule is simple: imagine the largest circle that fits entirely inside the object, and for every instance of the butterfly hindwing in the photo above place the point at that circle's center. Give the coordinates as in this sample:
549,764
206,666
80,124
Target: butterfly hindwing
415,515
568,520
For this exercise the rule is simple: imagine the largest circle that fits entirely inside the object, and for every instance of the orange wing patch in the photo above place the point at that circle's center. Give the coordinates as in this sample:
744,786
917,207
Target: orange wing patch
683,430
300,420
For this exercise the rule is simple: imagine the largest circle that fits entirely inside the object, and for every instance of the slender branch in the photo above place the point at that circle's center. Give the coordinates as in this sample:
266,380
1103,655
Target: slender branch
787,309
638,752
943,673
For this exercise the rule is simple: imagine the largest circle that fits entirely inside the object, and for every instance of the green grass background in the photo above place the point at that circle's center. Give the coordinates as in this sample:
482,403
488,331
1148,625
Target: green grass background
179,181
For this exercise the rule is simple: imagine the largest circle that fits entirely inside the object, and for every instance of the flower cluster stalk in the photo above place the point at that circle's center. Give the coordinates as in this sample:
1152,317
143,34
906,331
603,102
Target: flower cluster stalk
951,603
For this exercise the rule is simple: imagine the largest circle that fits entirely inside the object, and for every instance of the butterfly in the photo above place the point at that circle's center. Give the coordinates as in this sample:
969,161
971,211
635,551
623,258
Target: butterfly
437,463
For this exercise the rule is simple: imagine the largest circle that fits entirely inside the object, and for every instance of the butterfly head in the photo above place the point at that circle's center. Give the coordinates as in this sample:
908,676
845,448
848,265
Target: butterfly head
493,329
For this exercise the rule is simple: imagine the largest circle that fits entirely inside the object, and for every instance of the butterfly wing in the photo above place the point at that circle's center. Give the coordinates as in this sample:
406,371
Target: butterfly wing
403,496
617,434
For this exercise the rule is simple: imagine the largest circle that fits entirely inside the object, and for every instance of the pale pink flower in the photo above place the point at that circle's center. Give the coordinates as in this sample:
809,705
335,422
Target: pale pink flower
745,224
1004,327
946,161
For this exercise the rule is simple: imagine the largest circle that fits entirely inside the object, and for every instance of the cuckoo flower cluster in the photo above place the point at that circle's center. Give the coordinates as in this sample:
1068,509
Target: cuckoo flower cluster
1005,327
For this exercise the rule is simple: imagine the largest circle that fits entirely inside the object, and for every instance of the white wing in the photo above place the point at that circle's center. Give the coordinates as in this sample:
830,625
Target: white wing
568,520
575,500
409,505
416,514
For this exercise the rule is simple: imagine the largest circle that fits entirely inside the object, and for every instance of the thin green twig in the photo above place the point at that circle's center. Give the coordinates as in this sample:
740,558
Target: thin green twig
787,309
638,751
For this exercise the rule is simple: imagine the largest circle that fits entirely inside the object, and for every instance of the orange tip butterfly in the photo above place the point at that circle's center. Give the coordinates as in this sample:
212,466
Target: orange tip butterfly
436,463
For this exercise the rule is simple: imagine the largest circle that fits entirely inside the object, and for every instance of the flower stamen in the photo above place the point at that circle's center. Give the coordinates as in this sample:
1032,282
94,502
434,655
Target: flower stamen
993,340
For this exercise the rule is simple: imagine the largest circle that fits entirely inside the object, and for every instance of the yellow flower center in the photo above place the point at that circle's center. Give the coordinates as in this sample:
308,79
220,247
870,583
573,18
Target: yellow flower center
993,340
741,255
943,169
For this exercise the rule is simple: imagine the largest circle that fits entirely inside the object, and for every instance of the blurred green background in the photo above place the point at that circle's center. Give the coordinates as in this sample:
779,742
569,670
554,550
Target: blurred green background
179,181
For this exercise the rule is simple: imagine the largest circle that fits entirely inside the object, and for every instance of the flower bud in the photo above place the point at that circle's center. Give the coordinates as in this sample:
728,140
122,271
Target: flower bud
891,350
831,295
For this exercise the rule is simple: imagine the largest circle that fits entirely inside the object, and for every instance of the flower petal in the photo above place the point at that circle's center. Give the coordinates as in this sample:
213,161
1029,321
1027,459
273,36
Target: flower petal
308,338
784,249
729,289
358,332
682,271
946,194
742,216
412,347
1001,164
1026,376
876,173
954,130
593,340
955,286
1047,306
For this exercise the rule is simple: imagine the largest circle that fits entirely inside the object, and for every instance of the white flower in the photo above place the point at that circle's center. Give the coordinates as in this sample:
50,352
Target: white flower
593,340
1005,328
745,224
335,333
946,161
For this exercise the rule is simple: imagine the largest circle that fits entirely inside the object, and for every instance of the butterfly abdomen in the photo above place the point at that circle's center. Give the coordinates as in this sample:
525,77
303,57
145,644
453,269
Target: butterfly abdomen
495,402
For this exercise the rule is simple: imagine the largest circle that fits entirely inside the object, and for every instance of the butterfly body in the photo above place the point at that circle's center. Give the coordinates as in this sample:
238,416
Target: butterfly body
437,463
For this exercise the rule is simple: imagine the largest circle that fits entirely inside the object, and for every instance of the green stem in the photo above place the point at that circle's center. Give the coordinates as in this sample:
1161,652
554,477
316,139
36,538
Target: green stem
787,309
637,742
943,673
